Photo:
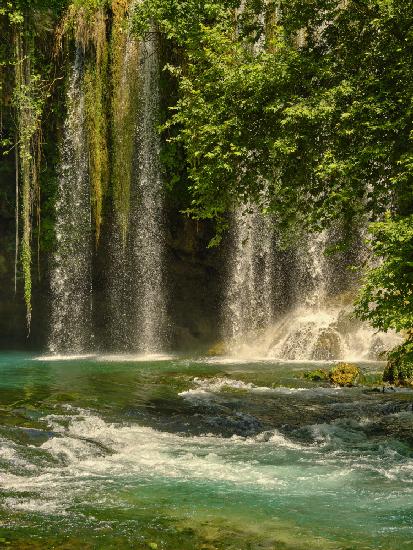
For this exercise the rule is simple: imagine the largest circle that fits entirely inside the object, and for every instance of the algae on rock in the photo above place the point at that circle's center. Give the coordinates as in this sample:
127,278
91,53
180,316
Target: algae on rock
344,374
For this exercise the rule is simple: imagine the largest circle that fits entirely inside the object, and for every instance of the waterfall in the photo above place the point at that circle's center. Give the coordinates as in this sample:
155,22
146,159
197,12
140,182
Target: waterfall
319,293
249,300
71,280
125,108
147,220
320,324
137,288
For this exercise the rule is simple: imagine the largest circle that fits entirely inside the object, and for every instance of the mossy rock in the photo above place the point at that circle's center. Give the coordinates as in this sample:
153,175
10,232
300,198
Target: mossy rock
220,348
344,374
316,375
327,346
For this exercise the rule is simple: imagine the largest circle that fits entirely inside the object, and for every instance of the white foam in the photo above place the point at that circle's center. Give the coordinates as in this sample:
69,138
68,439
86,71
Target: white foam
309,333
65,357
130,357
118,358
90,452
237,359
206,388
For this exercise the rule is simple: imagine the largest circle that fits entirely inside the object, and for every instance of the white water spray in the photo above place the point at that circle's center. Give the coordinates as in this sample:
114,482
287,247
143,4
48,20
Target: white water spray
147,220
137,283
71,280
249,298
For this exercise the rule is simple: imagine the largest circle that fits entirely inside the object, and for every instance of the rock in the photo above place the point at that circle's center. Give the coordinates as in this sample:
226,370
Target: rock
346,322
327,346
377,349
220,348
344,374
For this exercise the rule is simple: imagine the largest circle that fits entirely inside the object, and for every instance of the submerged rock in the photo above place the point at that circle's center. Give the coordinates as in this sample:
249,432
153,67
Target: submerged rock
344,374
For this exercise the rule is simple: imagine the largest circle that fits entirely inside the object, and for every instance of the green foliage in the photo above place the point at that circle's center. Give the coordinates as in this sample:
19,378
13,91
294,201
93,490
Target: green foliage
28,79
319,110
303,108
399,369
386,298
28,99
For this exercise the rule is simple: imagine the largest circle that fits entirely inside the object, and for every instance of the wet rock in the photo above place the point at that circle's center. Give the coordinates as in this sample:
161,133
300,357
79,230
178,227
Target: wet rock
378,350
346,322
219,348
327,346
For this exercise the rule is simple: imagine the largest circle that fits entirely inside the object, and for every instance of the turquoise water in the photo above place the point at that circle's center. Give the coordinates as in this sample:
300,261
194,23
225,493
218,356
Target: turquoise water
188,453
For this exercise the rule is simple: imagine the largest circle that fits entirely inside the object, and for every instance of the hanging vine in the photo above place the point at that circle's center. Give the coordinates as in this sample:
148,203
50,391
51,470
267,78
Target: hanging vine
124,107
28,99
86,22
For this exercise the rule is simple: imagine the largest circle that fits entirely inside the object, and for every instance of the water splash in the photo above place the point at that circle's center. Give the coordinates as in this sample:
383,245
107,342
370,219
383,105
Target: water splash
319,324
71,279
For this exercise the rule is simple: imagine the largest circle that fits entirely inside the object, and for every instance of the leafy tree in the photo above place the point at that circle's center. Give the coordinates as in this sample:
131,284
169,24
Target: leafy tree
386,299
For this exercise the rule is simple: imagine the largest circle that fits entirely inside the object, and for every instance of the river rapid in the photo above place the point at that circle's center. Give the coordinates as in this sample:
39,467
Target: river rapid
179,452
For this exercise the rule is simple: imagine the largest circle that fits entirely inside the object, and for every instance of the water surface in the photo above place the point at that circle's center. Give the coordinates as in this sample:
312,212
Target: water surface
184,453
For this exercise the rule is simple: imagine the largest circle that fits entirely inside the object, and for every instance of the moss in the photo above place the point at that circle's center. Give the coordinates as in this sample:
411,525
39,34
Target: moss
316,375
95,94
124,60
87,23
344,374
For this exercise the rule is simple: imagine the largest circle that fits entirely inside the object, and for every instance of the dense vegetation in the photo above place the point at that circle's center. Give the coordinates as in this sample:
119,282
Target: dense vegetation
304,108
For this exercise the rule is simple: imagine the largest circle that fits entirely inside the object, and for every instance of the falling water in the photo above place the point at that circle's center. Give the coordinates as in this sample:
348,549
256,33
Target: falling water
125,108
138,288
147,212
320,324
249,299
71,325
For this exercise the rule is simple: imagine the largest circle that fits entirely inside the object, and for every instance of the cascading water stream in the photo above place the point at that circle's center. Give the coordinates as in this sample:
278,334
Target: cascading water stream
137,285
147,220
248,303
71,280
320,324
125,105
249,298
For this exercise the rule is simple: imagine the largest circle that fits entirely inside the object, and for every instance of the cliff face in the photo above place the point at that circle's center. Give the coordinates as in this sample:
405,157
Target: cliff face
195,282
